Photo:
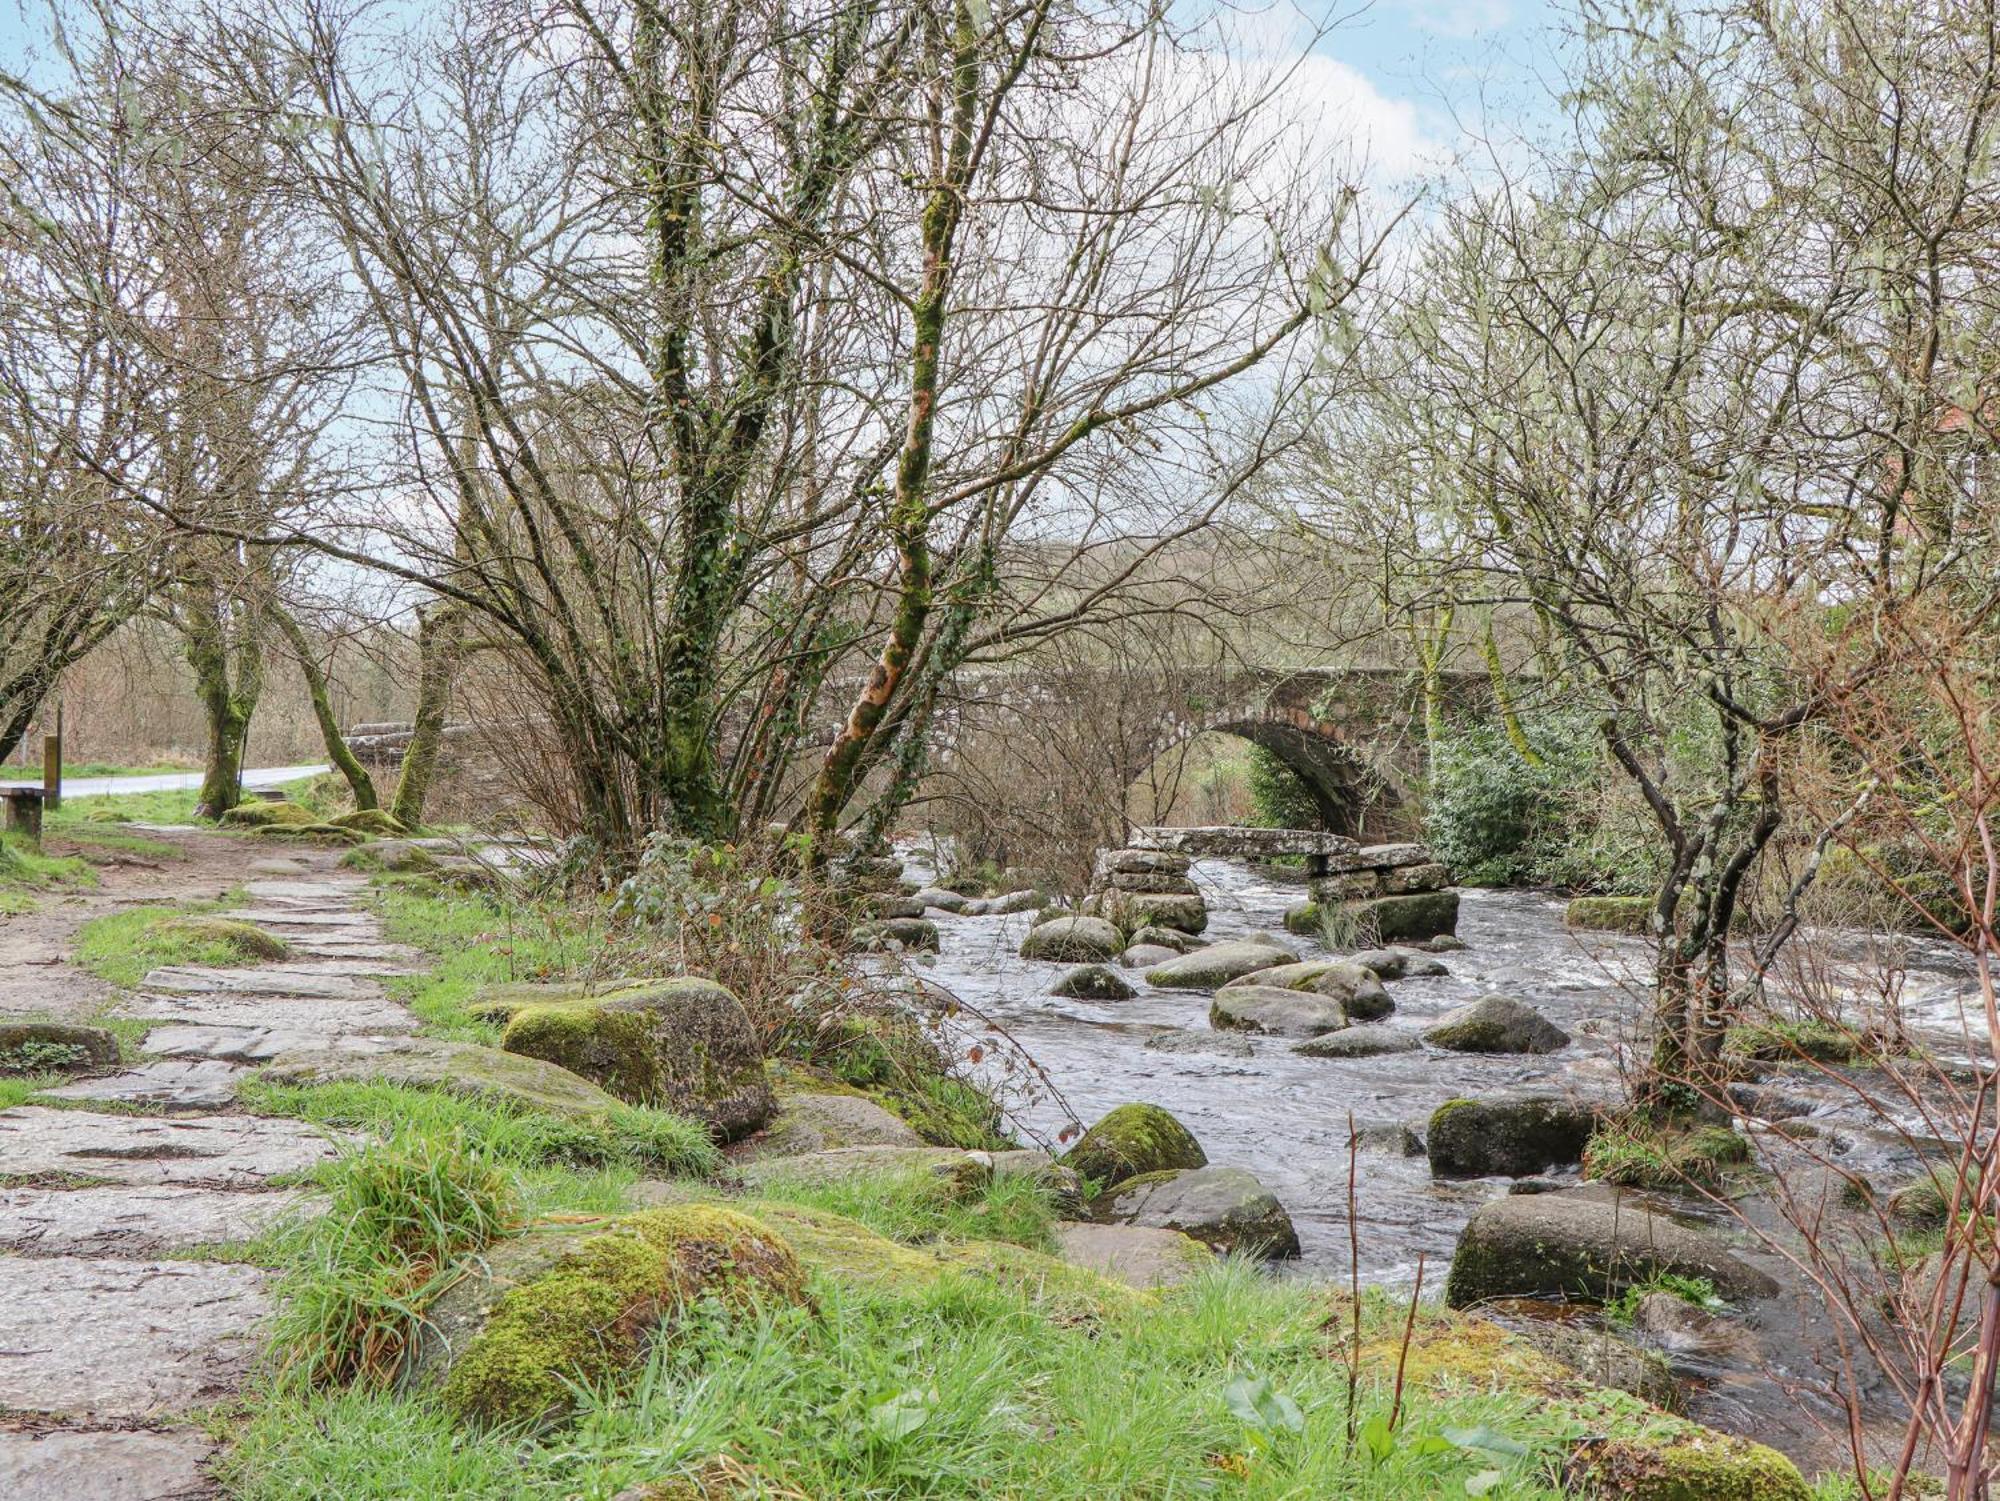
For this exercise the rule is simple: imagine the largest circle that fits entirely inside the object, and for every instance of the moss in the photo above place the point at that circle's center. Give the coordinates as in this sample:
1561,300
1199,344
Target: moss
264,815
1637,1154
1132,1141
1406,919
1696,1465
311,833
1507,1135
1794,1042
1610,914
370,821
248,941
1303,918
1449,1350
395,855
1926,1203
591,1317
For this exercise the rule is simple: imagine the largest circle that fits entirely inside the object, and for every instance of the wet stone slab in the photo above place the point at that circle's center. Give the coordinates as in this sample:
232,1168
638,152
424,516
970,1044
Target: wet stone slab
133,1221
322,1018
270,979
229,1044
177,1084
93,1337
206,1151
71,1464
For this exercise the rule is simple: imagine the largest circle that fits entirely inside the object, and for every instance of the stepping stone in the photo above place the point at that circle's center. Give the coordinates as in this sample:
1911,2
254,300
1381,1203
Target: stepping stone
277,867
218,1151
230,1044
132,1221
273,979
328,893
304,917
178,1084
94,1337
317,946
322,1018
118,1464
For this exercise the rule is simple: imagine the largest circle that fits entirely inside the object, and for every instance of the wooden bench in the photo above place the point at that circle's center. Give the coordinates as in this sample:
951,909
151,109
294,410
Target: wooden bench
24,810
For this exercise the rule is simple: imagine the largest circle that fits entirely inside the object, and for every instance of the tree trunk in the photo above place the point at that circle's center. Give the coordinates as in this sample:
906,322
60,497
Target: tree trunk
358,780
440,635
218,640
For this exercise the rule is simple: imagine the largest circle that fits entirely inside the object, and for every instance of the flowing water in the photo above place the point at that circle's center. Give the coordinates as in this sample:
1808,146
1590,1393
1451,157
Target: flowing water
1286,1118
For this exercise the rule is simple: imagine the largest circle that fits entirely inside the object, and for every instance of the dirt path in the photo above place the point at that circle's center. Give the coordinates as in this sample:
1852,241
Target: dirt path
114,1340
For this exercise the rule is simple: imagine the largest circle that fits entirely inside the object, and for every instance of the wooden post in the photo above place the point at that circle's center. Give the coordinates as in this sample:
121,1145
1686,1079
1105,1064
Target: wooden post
24,812
52,769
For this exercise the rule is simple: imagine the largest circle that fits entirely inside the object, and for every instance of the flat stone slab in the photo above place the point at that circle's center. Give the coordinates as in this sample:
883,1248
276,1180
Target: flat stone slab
115,1464
306,917
335,891
231,1151
230,1044
267,979
461,1068
340,946
202,1084
1227,839
133,1221
1137,1255
319,1017
94,1337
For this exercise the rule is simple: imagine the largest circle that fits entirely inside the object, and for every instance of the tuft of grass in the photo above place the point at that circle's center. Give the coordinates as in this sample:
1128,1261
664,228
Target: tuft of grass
1636,1153
918,1206
24,867
124,946
399,1215
1795,1042
476,940
632,1137
1699,1292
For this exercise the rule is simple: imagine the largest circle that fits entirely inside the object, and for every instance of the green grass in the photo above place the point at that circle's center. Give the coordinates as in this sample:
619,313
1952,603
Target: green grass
124,946
919,1206
959,1388
1696,1291
476,941
1637,1154
79,817
25,868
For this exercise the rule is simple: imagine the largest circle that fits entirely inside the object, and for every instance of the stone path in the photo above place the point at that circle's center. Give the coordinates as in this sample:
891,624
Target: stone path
114,1335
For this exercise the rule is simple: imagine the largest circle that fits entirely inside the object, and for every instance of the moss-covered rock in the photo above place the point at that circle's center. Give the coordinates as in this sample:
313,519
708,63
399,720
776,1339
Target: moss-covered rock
684,1045
309,833
1304,918
1610,914
1589,1244
1497,1024
1668,1460
1635,1153
589,1318
1224,1208
1275,1011
1131,1140
459,1068
1925,1203
54,1047
1405,919
1093,982
243,939
1072,940
897,935
371,821
1810,1041
1507,1135
401,856
814,1122
264,815
1181,911
1219,963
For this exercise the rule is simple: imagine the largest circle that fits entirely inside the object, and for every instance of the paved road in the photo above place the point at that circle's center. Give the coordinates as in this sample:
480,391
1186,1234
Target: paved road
171,781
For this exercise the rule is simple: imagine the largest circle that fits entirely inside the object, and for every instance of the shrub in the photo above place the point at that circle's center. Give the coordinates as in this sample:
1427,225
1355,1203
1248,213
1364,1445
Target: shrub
1278,795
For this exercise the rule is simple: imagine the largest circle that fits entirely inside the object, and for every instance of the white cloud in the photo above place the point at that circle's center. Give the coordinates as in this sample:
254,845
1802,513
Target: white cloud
1461,19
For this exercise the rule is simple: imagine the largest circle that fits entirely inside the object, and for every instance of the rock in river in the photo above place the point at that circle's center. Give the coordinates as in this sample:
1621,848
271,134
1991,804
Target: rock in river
1224,1208
1497,1024
1586,1243
1367,1041
1508,1135
1093,982
1276,1011
1072,940
1219,963
1133,1140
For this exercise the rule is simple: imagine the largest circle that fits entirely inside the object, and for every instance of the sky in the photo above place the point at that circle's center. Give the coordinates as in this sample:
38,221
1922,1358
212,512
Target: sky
1415,80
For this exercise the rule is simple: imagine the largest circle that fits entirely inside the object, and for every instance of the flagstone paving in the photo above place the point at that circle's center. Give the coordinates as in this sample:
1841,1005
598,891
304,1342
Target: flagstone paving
109,1354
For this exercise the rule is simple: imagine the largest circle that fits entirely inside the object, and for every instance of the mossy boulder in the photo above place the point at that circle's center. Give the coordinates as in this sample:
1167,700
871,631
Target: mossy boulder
1275,1011
245,940
1406,919
371,821
54,1047
1925,1204
1370,1040
897,935
1072,940
1497,1024
684,1045
1131,1140
1181,911
1610,914
811,1122
1651,1457
1508,1135
1224,1208
1219,963
1811,1041
265,815
1093,982
309,833
1586,1243
1305,919
1166,938
588,1317
400,856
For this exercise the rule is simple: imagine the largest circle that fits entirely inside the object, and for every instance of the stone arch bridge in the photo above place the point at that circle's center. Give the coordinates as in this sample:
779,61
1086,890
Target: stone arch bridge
1353,735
